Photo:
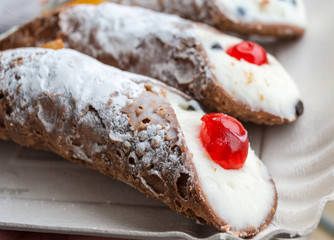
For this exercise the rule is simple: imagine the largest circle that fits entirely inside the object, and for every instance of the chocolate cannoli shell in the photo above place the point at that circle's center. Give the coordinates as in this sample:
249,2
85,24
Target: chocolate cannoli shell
208,12
176,59
118,123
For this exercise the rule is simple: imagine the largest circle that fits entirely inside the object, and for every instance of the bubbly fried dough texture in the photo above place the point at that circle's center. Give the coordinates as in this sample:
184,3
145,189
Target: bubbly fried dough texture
163,47
118,123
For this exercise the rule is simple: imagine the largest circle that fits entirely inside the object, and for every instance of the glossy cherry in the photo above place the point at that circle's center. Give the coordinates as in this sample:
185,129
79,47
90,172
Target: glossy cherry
225,140
250,52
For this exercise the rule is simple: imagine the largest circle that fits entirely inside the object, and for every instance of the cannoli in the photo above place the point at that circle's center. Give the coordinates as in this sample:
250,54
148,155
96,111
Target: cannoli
128,127
223,73
275,18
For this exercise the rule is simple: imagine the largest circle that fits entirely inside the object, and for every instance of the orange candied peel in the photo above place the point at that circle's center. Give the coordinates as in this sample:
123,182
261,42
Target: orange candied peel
55,44
94,2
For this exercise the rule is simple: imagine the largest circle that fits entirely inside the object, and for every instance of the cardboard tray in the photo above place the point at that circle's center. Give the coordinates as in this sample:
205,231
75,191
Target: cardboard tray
42,192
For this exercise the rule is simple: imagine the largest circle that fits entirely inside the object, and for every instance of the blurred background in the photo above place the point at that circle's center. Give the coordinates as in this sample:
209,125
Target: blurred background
16,12
325,230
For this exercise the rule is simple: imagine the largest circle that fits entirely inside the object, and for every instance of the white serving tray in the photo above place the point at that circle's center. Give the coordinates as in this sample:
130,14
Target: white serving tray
42,192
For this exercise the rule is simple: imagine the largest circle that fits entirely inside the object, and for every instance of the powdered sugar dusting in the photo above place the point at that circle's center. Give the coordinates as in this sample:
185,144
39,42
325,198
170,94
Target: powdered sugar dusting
111,28
67,72
88,111
92,92
172,50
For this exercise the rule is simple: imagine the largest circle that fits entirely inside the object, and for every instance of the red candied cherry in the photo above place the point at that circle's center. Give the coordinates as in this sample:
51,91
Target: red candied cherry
250,52
225,140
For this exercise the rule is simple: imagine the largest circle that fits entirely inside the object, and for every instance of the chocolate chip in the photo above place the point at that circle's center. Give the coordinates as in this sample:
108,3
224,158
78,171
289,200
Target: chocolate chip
190,108
241,11
217,46
299,108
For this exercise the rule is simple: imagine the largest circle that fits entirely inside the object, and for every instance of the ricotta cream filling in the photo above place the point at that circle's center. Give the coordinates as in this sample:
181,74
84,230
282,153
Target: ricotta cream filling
243,198
291,12
268,87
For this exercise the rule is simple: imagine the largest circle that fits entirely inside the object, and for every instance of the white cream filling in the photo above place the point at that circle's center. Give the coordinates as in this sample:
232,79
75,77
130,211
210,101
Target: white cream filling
243,198
267,87
265,11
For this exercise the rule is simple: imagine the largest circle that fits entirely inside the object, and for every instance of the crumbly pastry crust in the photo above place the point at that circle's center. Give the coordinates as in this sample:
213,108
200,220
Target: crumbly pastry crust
208,12
175,57
129,133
